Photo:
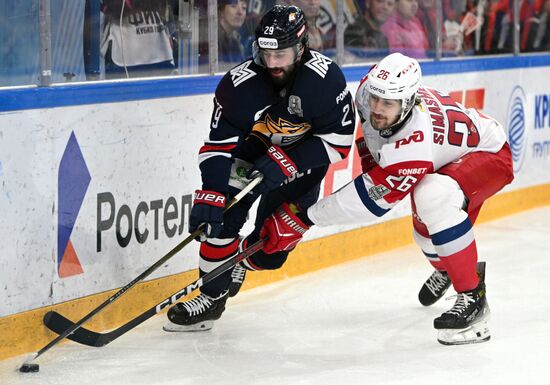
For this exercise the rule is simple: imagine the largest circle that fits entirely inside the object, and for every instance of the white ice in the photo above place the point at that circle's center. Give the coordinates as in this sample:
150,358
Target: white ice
356,323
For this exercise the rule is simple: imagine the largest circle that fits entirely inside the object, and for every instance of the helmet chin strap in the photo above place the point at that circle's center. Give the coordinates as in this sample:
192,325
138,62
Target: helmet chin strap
391,130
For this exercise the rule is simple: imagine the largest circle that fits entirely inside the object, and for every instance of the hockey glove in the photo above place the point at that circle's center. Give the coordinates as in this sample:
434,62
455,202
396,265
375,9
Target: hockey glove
367,160
283,229
208,208
276,166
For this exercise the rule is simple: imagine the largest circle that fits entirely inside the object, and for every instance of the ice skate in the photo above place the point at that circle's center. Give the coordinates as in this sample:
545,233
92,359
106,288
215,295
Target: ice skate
434,288
197,314
237,279
466,321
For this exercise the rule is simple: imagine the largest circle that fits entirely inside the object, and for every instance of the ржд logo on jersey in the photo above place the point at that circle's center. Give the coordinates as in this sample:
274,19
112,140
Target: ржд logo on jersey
241,73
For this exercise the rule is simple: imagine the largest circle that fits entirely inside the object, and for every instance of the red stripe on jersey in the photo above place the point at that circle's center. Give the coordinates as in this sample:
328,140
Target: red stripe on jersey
215,253
217,148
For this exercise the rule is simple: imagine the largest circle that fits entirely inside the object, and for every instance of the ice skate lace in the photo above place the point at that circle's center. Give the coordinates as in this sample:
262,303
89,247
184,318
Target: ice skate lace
436,282
238,274
197,305
462,302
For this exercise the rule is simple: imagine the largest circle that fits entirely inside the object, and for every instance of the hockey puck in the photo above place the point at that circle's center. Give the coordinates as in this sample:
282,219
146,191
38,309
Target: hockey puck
29,368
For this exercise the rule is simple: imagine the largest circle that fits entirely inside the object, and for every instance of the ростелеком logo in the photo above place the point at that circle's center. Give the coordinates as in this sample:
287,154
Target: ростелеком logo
72,182
516,127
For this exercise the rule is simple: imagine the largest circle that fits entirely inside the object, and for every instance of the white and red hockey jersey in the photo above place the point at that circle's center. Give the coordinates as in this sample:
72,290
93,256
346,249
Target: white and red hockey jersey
438,132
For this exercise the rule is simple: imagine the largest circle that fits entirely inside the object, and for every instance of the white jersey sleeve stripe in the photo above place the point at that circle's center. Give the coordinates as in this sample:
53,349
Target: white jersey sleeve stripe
233,139
208,155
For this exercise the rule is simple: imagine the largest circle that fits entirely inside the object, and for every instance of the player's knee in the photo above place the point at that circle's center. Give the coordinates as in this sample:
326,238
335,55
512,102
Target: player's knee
437,197
269,261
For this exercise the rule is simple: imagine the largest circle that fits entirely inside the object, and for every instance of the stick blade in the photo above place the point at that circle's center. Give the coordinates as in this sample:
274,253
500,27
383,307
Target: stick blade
58,323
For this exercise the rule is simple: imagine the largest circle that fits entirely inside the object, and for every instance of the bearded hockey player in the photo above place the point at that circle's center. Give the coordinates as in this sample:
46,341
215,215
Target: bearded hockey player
449,158
287,114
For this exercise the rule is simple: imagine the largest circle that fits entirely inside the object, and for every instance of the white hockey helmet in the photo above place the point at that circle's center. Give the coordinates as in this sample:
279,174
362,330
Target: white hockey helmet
396,77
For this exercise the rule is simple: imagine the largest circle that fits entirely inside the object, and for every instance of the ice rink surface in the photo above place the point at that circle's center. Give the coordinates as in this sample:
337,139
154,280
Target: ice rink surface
357,323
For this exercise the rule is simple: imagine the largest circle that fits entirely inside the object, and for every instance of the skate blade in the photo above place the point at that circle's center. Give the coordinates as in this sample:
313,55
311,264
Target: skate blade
198,327
473,334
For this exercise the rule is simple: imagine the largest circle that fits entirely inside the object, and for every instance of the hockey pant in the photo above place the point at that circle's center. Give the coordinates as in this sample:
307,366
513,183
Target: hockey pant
446,204
302,189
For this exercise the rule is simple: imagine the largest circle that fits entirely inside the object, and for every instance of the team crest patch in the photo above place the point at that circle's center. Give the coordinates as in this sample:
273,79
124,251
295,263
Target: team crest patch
378,192
295,106
318,63
241,73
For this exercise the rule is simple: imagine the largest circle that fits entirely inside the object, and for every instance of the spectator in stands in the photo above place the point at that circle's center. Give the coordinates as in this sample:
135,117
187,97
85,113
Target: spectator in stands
318,40
254,12
404,31
452,32
499,29
135,40
231,16
366,31
539,29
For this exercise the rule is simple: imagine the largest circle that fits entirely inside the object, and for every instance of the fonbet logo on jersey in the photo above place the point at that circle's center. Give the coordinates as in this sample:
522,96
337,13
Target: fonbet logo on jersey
72,183
281,132
517,133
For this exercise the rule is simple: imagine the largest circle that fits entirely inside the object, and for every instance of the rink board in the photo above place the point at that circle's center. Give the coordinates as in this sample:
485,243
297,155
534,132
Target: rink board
97,188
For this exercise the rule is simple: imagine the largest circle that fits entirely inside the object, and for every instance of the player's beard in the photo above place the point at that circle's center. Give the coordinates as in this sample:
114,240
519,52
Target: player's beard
378,123
280,76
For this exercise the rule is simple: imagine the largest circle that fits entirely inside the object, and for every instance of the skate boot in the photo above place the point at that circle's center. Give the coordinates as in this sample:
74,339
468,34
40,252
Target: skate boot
434,288
466,321
237,279
197,314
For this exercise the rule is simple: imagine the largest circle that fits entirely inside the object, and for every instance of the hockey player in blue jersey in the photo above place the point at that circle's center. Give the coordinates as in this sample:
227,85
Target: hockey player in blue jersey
285,113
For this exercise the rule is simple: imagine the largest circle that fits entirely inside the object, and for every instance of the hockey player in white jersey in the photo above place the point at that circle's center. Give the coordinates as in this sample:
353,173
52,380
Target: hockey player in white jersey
448,158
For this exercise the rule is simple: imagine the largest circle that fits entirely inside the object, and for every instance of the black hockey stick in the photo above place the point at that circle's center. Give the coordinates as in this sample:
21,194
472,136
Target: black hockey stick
58,323
142,276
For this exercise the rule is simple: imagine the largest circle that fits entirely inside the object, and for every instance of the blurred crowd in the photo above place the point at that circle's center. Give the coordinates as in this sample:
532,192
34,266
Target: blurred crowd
374,28
137,38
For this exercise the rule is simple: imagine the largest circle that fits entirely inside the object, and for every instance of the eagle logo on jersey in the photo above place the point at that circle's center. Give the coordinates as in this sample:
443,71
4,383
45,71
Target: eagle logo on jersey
281,132
241,73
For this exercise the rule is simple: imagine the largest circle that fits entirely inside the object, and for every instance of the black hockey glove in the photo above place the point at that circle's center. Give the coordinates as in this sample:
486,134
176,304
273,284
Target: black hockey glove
276,166
208,208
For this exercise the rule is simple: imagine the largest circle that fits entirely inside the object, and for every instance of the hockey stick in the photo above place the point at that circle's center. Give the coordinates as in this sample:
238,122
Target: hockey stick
145,274
58,323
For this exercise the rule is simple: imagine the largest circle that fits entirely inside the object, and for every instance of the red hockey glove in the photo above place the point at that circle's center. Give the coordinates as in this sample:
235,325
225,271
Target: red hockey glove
367,160
208,208
275,166
282,230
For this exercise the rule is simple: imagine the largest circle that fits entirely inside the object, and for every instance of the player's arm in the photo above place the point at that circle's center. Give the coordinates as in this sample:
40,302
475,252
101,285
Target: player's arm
215,159
368,197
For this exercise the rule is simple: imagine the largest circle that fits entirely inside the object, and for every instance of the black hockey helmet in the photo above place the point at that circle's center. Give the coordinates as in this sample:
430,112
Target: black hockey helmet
281,27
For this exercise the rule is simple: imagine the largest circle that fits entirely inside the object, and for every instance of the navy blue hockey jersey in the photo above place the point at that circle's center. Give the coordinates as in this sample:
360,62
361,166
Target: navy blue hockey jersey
312,118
